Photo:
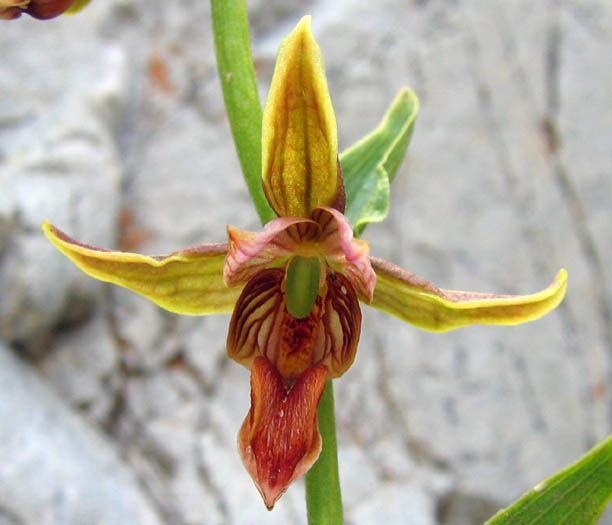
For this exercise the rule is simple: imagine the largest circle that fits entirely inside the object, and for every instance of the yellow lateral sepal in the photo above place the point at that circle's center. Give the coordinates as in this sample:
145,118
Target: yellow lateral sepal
185,282
419,302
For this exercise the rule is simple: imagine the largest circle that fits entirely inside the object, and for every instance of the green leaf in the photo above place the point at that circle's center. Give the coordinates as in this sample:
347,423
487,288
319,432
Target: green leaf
370,164
237,75
577,494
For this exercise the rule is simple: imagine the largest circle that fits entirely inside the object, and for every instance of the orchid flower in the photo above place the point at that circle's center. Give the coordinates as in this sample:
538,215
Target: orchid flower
294,288
41,9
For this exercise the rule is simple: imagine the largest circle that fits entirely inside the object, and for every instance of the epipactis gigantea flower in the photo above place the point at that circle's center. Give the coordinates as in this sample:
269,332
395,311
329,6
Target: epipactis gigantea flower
41,9
294,288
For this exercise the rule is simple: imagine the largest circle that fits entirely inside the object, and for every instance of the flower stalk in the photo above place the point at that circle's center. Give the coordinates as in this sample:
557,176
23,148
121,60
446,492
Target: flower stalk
323,497
237,75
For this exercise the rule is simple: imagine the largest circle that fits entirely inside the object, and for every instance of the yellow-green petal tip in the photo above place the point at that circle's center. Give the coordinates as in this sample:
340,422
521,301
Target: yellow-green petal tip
419,302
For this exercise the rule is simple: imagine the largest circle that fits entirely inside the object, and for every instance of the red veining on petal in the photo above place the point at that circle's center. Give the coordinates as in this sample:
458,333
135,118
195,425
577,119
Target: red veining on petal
342,324
279,439
300,344
261,326
255,321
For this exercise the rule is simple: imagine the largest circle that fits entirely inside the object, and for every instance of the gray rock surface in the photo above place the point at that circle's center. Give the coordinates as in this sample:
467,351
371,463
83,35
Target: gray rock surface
59,159
56,468
112,127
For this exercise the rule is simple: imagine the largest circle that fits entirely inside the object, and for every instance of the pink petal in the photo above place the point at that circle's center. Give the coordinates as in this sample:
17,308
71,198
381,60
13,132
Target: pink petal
352,256
251,252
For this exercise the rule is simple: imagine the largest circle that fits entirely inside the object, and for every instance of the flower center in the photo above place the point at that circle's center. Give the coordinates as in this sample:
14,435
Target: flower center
302,285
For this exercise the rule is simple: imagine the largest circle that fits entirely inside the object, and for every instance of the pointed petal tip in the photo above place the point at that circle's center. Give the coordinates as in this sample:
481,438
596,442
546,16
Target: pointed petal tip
279,439
559,286
47,228
271,495
304,25
562,276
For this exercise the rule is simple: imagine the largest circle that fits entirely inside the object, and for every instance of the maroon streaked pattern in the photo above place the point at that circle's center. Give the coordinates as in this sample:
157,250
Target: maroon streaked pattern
262,326
279,439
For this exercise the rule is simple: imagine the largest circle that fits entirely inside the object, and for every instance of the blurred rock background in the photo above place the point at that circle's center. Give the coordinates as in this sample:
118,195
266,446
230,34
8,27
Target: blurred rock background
112,126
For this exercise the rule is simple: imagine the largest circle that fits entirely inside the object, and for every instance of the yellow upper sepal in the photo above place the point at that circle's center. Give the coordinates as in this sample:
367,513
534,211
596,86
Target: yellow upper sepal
417,301
185,282
299,136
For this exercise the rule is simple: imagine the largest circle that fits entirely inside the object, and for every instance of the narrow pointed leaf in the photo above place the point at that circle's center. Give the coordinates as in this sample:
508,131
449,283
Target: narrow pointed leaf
577,494
370,165
299,142
417,301
186,282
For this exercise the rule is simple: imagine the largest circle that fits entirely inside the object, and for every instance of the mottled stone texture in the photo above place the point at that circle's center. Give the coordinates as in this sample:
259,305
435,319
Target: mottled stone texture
112,127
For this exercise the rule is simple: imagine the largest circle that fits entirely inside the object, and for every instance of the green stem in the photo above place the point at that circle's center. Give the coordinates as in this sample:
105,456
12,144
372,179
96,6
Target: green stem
323,498
237,76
